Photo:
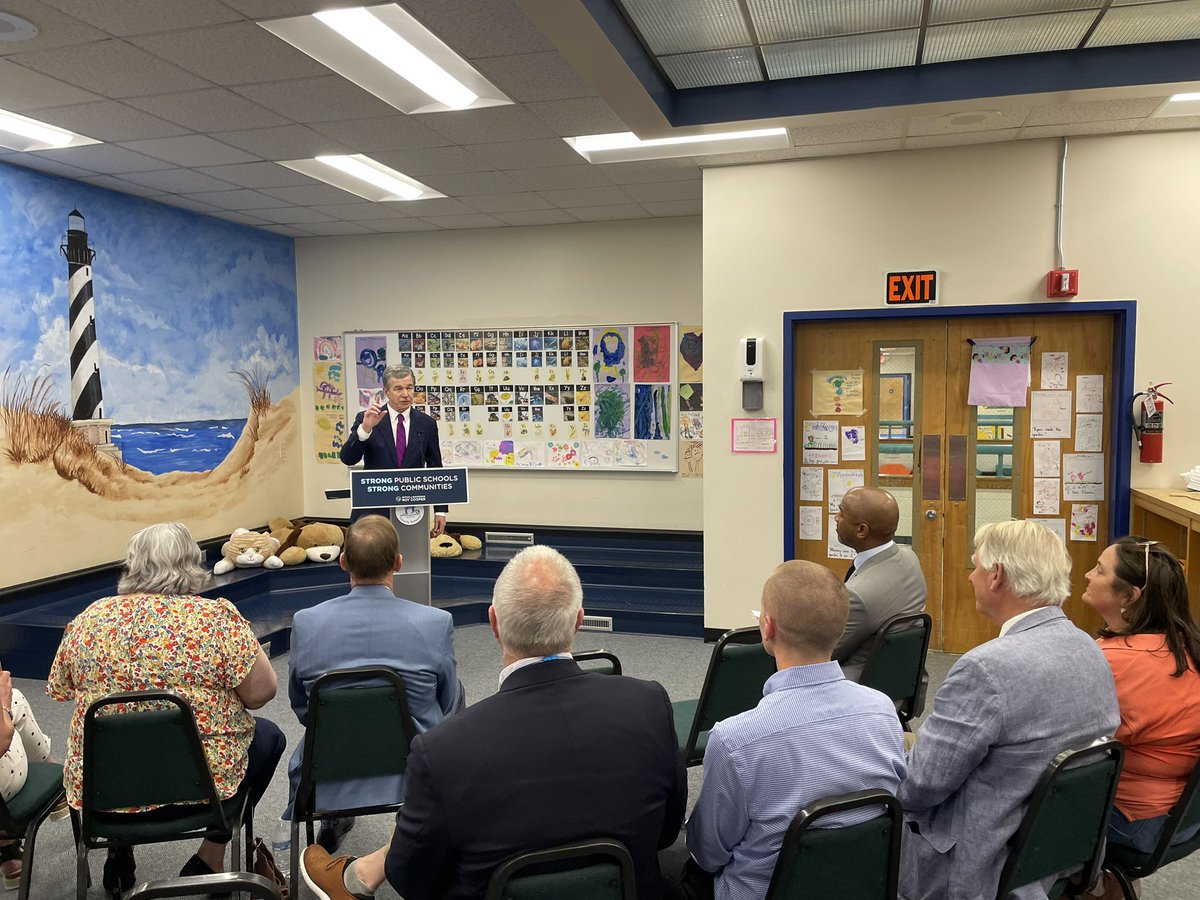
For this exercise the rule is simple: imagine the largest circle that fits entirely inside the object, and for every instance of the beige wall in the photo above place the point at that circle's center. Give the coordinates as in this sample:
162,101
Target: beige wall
820,234
639,271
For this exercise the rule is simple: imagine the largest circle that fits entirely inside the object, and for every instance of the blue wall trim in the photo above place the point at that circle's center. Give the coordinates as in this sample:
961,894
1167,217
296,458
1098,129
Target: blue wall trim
1124,313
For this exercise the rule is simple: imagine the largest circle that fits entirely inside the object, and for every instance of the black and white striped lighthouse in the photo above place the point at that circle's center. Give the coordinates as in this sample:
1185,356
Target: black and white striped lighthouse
86,398
87,401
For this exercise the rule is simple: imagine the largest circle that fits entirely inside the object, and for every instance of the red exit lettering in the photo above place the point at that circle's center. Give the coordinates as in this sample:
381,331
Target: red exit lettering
911,287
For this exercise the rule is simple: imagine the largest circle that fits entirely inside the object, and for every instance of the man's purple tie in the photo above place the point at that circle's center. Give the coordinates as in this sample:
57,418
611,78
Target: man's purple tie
401,440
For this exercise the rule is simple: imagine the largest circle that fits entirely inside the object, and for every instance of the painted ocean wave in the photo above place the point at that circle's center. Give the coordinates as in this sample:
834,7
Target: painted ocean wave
177,446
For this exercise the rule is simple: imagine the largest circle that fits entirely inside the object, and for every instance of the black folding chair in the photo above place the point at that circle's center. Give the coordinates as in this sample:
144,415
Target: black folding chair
896,662
608,664
23,815
597,869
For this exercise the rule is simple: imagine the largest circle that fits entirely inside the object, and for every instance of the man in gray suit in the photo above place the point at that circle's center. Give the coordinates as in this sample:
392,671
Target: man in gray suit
885,580
1005,710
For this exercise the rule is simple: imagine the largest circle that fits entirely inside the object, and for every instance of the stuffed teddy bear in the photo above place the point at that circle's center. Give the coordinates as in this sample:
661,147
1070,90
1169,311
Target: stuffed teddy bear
317,541
246,549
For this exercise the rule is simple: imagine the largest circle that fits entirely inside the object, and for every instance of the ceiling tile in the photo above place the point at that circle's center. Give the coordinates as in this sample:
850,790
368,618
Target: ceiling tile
105,158
710,68
190,150
364,210
669,190
240,53
187,203
739,159
961,139
211,109
55,28
672,26
141,16
492,124
609,213
504,203
179,181
330,229
473,183
1094,110
312,194
23,89
239,199
969,120
112,183
675,208
395,226
468,220
526,154
272,9
292,231
842,132
539,217
326,98
393,132
942,11
49,166
475,30
107,120
586,196
295,215
569,118
1040,131
257,175
1169,123
680,169
444,161
829,56
850,148
113,68
284,142
1152,22
1005,37
239,218
559,177
775,22
535,76
439,207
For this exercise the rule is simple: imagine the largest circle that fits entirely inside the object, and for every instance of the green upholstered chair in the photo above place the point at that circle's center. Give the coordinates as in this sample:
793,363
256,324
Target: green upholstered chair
22,816
606,663
1126,864
1064,826
737,671
598,869
148,752
851,862
340,702
896,662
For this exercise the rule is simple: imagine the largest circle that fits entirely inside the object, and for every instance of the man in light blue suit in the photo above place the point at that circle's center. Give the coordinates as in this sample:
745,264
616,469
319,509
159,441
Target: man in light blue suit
1005,710
370,626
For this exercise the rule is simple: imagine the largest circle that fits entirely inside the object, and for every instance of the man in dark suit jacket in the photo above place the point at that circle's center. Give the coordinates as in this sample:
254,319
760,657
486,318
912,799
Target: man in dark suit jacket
375,439
556,755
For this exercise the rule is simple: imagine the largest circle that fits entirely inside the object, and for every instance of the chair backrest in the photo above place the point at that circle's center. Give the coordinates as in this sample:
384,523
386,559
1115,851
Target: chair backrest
341,702
598,869
1184,814
856,862
896,661
142,748
607,663
737,671
1064,826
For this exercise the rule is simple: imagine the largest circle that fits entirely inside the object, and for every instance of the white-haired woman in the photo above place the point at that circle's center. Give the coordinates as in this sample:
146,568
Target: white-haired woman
158,633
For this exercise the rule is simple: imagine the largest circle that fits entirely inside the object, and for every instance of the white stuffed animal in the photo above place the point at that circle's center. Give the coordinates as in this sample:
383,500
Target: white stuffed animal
246,549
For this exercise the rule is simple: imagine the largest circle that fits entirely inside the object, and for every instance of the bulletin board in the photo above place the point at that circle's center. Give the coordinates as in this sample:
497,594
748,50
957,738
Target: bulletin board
563,398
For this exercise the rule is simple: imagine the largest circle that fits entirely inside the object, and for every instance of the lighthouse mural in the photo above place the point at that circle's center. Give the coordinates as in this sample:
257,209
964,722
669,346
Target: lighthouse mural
87,400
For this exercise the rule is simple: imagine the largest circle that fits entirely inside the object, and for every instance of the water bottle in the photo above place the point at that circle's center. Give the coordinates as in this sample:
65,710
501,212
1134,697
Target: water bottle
281,840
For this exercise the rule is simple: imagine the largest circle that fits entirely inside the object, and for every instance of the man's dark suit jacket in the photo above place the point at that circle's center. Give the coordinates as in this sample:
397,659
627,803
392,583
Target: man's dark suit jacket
422,450
557,755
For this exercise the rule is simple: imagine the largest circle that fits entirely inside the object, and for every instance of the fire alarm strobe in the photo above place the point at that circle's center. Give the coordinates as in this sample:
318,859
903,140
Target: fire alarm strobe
1062,283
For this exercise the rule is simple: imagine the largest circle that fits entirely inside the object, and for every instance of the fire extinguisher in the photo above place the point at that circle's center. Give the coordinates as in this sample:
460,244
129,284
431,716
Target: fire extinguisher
1148,422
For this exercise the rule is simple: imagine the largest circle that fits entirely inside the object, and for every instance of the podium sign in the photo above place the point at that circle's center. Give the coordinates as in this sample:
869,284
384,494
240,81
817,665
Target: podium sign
371,488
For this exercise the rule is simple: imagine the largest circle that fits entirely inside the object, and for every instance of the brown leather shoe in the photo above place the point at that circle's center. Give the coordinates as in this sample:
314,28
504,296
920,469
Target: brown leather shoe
324,873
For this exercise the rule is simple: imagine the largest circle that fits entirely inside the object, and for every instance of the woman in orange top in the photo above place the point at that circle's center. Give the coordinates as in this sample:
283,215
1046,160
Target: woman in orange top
1152,645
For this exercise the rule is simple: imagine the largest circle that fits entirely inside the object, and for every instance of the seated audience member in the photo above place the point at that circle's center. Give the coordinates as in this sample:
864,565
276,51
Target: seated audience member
20,739
1152,645
813,735
885,579
158,634
556,755
1005,710
370,626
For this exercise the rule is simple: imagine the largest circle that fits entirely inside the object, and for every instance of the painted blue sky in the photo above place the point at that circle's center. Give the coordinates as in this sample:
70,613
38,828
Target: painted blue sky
181,299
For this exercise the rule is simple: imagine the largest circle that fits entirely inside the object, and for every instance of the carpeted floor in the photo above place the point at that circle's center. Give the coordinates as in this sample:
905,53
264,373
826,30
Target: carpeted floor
678,663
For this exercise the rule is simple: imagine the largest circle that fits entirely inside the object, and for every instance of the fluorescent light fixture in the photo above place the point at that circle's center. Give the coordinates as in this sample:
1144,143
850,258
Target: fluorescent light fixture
22,133
1180,105
386,51
364,177
626,146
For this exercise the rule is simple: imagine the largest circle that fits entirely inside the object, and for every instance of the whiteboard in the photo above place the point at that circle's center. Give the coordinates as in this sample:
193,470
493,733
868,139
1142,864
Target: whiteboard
568,398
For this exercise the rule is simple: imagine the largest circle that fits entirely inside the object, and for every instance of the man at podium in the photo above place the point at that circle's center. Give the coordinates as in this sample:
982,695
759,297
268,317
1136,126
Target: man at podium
390,434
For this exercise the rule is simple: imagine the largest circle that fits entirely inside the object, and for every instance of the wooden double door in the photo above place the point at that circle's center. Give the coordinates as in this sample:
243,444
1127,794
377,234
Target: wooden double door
951,466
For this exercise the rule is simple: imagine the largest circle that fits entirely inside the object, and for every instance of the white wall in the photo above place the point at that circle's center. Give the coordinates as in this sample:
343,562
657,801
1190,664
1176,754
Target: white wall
636,271
820,234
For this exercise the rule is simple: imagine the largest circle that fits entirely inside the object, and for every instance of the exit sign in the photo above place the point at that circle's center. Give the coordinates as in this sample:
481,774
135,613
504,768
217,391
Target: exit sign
911,288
